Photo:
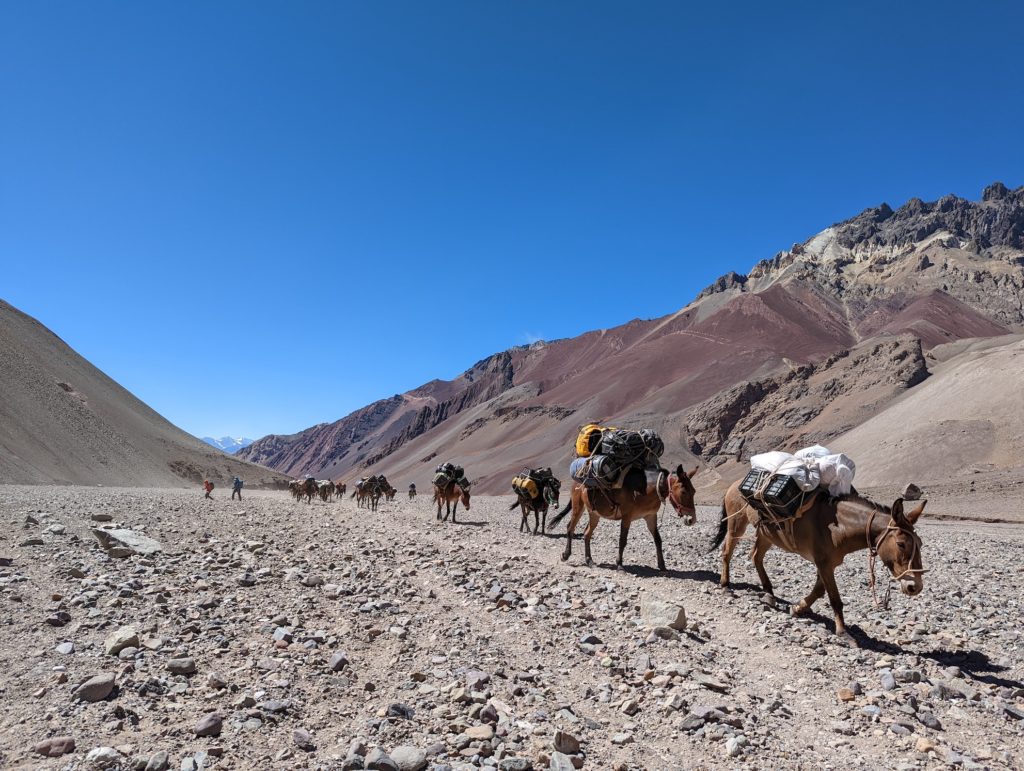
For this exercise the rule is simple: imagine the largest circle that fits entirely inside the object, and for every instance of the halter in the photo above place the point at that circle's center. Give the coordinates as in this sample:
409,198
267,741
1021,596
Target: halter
665,476
549,495
890,528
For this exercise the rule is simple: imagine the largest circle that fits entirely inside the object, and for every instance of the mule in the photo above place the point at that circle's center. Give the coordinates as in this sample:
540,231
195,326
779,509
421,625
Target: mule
450,495
642,495
825,534
547,495
412,492
308,489
340,488
326,490
361,493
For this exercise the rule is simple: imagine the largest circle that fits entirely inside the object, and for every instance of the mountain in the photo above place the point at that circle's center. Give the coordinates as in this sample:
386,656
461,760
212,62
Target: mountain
228,444
807,346
62,421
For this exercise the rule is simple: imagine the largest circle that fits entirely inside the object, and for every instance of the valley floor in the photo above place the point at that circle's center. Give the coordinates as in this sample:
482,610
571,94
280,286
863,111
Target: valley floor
446,629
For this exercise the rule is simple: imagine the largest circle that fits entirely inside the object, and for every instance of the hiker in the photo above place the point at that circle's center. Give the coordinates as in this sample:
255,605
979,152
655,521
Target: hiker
208,488
236,488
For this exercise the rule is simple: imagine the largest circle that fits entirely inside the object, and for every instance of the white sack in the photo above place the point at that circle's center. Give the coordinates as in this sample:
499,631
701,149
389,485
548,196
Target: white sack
769,461
837,473
815,451
804,472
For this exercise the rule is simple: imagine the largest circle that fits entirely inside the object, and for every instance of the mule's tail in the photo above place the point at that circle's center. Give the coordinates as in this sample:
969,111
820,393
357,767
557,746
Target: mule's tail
723,528
514,505
561,514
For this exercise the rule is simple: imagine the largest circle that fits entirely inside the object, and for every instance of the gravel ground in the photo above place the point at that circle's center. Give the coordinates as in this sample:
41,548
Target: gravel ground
274,635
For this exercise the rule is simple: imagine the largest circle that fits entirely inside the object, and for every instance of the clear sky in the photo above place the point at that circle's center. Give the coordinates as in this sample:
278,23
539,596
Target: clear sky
260,216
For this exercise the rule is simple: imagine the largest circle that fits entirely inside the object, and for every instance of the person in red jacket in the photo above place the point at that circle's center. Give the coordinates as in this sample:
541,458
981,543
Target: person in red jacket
208,487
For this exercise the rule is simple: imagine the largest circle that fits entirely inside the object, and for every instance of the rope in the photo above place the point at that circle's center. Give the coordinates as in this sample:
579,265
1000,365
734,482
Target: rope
783,525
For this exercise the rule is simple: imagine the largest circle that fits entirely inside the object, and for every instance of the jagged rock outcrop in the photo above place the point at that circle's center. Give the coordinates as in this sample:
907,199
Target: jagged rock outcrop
779,412
972,251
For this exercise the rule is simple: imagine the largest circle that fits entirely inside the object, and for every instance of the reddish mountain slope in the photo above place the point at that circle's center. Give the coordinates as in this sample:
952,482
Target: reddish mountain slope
935,272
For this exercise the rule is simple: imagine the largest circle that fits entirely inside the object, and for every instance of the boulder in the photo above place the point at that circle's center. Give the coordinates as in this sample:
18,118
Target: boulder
55,747
95,688
409,758
657,612
125,637
124,543
209,725
103,757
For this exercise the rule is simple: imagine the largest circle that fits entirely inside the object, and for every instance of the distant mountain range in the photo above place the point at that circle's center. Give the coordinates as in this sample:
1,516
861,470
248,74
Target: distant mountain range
228,444
811,344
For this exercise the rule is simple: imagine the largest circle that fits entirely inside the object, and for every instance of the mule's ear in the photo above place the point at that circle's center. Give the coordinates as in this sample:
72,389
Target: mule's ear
692,473
915,515
897,511
680,473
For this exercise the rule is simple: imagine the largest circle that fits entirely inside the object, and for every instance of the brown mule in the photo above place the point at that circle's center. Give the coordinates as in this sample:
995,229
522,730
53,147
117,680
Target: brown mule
641,497
547,496
450,495
827,532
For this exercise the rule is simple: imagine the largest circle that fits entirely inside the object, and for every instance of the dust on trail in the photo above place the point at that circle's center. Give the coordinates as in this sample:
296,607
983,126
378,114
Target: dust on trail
313,626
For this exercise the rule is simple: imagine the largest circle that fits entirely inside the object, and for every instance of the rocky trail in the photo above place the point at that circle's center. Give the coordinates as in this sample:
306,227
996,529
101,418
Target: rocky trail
273,635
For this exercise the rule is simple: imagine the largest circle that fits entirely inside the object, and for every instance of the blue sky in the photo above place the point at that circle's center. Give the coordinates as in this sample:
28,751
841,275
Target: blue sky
260,216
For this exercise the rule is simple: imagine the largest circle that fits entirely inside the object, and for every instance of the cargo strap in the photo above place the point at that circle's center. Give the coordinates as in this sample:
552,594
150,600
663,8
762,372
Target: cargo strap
784,525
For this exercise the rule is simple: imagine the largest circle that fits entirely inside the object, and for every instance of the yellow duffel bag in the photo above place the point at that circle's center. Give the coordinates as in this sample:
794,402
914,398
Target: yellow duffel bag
525,484
588,439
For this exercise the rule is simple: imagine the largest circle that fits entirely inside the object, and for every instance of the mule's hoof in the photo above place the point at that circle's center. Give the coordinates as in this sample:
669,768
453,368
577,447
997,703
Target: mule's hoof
769,600
565,557
662,567
845,639
797,610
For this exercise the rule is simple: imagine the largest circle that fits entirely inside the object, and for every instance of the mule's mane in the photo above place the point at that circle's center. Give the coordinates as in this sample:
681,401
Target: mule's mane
860,500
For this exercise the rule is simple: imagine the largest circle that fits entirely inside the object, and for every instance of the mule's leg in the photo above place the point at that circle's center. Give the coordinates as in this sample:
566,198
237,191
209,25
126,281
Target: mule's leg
588,533
737,525
570,530
828,577
652,525
523,523
805,604
455,507
623,536
544,521
761,547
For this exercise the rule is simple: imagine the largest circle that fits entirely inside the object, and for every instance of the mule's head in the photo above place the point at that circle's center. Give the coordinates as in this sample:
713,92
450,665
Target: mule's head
900,548
681,493
552,488
464,493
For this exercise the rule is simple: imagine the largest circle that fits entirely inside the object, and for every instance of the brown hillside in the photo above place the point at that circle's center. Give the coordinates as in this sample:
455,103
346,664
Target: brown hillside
62,421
